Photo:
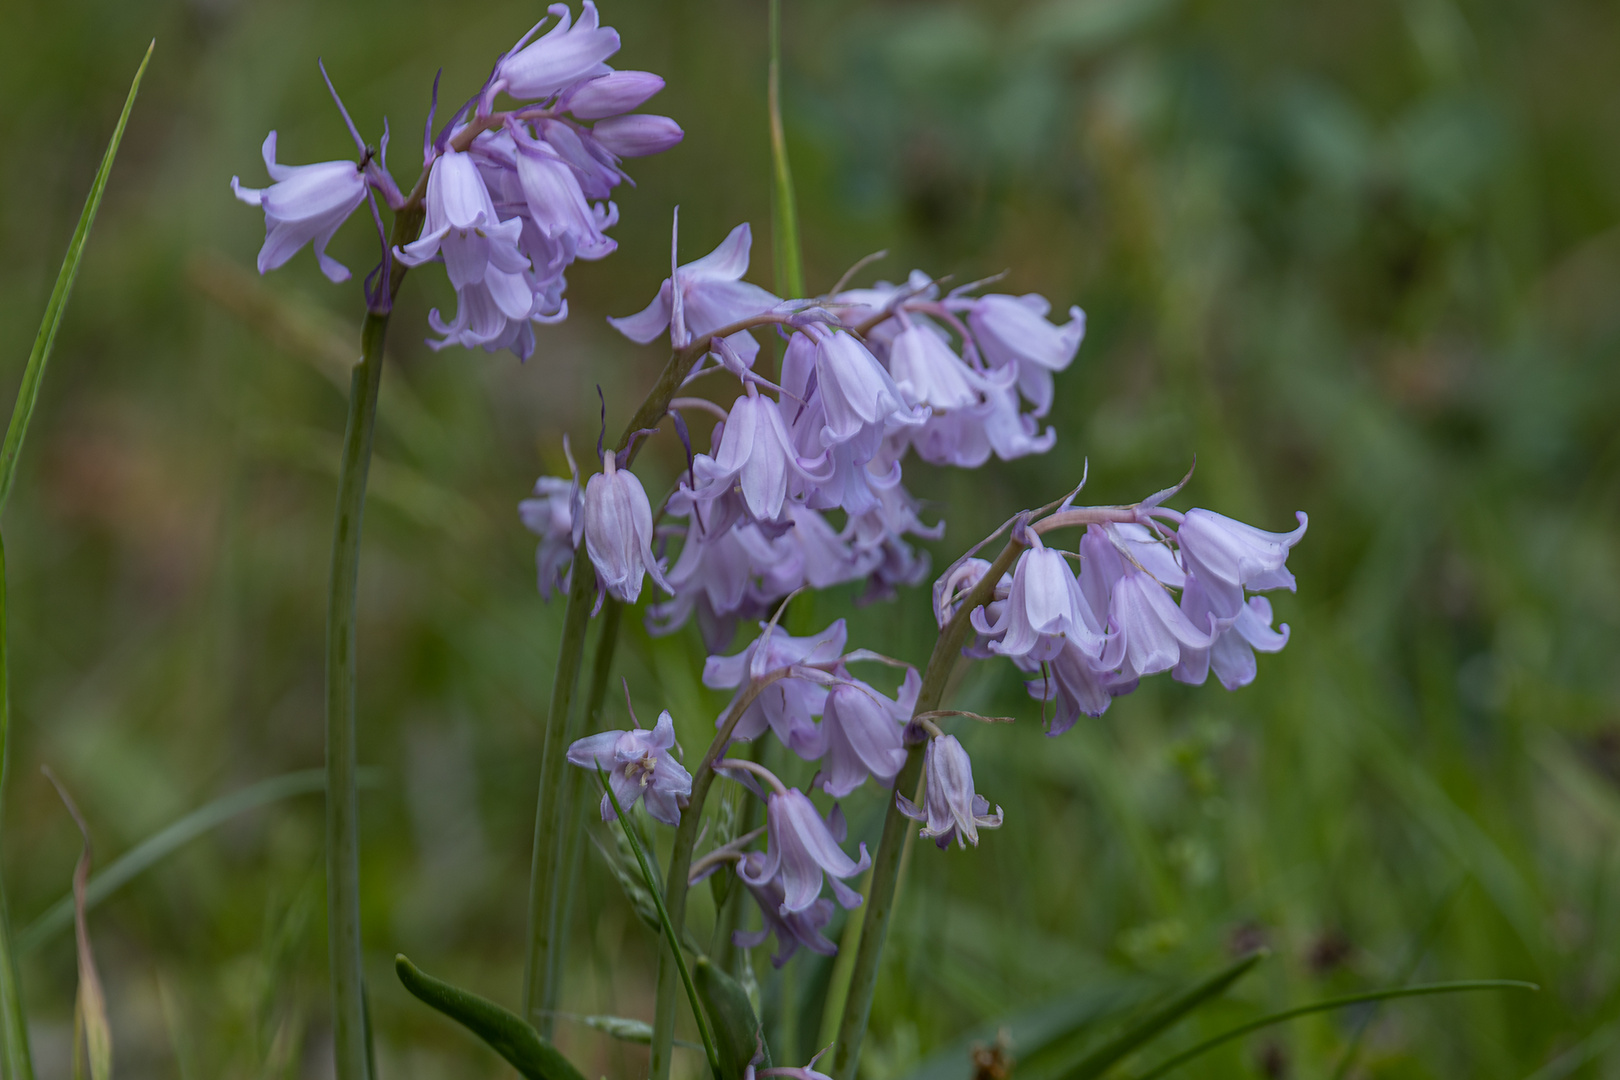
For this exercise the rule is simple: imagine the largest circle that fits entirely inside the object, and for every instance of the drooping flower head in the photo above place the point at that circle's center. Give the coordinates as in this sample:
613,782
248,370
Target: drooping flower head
952,810
619,532
305,204
802,846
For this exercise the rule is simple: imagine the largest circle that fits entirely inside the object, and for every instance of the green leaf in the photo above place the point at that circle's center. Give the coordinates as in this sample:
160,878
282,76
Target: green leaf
1155,1022
154,849
784,206
736,1029
34,373
504,1031
1333,1003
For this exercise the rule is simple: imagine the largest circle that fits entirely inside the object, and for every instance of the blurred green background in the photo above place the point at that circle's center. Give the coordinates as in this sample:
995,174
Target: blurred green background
1361,259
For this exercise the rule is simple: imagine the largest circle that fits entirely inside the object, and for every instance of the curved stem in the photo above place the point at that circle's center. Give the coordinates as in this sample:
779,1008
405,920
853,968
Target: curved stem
880,897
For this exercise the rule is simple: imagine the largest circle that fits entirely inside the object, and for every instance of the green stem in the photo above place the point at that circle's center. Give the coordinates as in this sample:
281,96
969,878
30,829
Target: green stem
880,899
342,799
680,867
607,641
349,1029
15,1061
784,206
547,869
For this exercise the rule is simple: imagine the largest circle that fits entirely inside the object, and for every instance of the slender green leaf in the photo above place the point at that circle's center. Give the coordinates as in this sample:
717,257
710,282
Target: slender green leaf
1329,1004
670,936
15,1061
1155,1022
504,1031
736,1030
34,373
154,849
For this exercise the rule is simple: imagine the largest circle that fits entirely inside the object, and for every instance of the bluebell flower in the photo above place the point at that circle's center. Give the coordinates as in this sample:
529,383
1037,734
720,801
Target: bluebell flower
305,204
952,810
619,532
639,765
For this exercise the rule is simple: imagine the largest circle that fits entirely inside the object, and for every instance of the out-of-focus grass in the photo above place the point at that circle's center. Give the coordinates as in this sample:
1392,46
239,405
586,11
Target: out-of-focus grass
1360,259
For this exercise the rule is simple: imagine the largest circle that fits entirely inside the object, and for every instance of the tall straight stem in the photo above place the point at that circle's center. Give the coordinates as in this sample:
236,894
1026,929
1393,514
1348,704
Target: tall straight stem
880,899
350,1044
784,204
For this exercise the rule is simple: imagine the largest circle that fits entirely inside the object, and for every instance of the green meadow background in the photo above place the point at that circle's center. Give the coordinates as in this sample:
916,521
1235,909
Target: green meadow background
1360,259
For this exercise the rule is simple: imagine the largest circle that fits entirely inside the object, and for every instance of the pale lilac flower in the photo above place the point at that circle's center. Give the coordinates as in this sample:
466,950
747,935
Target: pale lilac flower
619,532
1080,684
792,928
802,846
706,295
638,763
554,513
1012,331
756,456
856,392
929,373
788,706
954,811
304,204
1044,609
565,55
1232,654
611,94
1154,628
461,226
796,1072
1228,556
1013,434
554,200
637,135
863,734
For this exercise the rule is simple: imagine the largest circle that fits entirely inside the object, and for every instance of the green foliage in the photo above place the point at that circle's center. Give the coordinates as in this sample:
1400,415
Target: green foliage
737,1035
505,1032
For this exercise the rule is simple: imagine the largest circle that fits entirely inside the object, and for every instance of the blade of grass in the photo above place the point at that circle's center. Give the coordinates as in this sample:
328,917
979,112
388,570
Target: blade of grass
784,206
1105,1056
157,847
90,1007
670,936
34,373
1420,990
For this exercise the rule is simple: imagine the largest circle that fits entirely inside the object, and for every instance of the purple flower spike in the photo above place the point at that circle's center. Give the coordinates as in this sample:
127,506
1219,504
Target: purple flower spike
863,734
1012,331
637,135
638,763
802,846
954,810
1228,556
612,94
619,532
305,204
711,294
791,929
562,57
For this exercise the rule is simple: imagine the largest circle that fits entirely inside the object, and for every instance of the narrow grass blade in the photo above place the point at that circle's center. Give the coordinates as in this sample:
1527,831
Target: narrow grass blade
1420,990
784,205
15,1061
90,1008
154,849
34,373
670,936
505,1032
1154,1023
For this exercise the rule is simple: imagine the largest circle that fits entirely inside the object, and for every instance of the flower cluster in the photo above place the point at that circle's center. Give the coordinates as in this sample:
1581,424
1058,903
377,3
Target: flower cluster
867,375
509,199
1094,634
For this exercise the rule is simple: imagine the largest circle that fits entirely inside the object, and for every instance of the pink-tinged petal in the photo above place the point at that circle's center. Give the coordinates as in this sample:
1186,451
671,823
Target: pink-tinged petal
510,293
1233,661
268,151
595,750
626,790
466,255
612,94
638,134
661,804
727,262
649,323
335,271
251,196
